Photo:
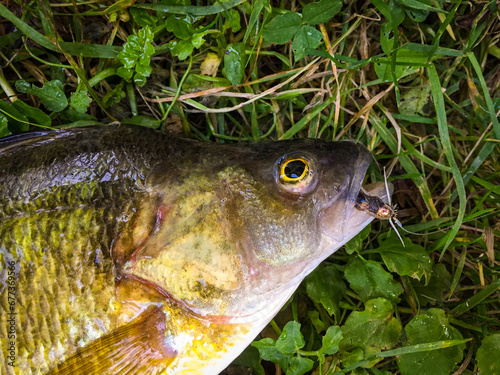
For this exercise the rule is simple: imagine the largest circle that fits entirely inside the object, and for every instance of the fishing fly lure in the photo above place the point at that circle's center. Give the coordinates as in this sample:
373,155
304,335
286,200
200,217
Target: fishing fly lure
377,208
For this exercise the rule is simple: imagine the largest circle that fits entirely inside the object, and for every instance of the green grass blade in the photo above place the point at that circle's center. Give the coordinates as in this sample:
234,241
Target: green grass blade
438,98
407,164
77,49
90,50
413,151
426,347
476,299
486,150
458,274
307,118
192,10
27,30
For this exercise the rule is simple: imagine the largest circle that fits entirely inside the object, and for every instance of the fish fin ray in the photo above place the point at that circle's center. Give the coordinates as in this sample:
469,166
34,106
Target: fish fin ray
133,348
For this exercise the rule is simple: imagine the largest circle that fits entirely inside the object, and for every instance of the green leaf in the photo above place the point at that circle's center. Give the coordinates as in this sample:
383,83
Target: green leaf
233,21
51,94
487,357
414,101
198,40
145,121
325,286
376,371
16,120
307,38
419,348
234,63
331,340
81,123
71,115
434,291
282,28
397,13
182,48
407,62
426,328
4,130
90,50
136,55
250,358
299,366
386,37
371,330
356,243
125,73
420,10
142,17
267,350
316,321
321,12
383,7
80,101
34,115
139,79
370,280
290,339
352,357
114,96
144,70
410,260
181,27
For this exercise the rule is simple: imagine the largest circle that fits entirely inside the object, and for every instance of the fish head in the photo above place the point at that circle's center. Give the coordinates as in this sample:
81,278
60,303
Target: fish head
232,231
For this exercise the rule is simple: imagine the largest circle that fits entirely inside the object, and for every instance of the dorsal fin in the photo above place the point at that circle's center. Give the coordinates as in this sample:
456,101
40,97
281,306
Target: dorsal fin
138,347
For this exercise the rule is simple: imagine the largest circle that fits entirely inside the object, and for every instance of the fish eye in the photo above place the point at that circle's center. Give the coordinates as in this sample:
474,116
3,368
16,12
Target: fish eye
295,173
294,169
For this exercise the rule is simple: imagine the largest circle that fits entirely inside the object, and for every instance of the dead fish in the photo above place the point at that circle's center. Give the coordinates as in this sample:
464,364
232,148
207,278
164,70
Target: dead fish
126,251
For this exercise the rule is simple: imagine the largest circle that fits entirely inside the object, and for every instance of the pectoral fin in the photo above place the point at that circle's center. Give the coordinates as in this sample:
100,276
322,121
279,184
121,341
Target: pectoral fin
134,348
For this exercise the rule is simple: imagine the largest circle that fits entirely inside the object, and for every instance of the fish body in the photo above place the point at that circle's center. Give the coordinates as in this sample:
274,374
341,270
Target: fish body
126,251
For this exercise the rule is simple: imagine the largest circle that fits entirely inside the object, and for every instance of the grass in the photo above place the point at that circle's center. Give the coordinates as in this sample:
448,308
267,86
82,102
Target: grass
417,82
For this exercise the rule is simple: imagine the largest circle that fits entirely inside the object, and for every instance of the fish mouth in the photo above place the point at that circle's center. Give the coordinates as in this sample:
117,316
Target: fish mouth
334,220
336,234
352,220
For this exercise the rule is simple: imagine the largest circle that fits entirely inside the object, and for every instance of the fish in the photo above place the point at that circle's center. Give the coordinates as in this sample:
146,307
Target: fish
124,250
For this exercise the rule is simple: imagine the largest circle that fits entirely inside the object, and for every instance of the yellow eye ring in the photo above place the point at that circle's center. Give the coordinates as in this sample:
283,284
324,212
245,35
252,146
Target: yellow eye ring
294,169
296,174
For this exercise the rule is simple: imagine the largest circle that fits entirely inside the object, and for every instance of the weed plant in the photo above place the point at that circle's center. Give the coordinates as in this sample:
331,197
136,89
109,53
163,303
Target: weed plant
416,81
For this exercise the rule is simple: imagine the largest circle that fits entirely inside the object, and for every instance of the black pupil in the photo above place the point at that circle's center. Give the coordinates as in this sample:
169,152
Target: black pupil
294,169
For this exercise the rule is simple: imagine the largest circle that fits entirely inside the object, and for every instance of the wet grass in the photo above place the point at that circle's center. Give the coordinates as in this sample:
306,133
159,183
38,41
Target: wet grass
418,83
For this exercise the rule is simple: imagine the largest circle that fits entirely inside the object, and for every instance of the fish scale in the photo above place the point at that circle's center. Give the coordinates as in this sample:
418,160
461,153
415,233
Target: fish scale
40,227
69,254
